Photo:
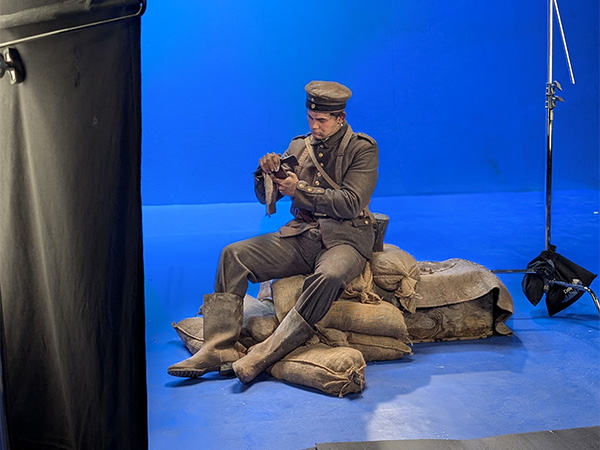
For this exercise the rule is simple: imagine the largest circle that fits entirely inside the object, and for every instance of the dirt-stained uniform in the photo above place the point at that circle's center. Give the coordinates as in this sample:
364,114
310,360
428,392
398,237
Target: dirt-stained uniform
331,235
329,240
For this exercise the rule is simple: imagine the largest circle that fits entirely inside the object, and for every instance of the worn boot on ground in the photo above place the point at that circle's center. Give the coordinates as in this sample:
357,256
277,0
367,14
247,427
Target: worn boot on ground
292,332
223,317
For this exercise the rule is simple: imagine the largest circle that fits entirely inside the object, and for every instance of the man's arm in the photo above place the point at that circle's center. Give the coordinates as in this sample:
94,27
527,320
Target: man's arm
357,185
272,165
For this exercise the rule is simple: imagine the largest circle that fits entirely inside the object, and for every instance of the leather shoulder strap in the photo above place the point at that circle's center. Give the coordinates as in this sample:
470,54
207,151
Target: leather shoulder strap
311,153
340,153
339,157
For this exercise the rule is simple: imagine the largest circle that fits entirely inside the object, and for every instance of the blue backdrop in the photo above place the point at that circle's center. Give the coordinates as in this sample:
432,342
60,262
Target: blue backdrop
454,92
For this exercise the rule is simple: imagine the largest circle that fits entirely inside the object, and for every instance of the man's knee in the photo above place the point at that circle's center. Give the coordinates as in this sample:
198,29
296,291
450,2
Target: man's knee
342,268
329,277
233,251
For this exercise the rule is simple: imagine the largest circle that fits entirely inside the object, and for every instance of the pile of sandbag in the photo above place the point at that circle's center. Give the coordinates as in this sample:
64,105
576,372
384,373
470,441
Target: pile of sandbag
395,301
359,327
334,360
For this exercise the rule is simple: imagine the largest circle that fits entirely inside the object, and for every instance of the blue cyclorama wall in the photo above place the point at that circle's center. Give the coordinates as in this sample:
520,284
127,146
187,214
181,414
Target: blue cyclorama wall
454,92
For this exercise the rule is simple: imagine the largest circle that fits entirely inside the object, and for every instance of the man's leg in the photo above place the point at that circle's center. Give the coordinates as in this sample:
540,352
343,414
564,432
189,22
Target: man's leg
256,259
334,269
266,257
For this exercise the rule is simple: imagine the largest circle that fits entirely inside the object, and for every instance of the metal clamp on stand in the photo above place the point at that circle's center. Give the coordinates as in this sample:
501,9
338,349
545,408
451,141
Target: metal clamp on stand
10,64
578,287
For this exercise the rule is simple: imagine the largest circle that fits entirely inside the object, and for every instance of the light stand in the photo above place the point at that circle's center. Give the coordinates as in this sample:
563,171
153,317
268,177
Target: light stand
551,99
561,280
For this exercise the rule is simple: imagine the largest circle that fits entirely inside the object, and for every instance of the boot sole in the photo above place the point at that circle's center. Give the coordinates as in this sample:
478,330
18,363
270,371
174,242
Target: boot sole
225,370
186,373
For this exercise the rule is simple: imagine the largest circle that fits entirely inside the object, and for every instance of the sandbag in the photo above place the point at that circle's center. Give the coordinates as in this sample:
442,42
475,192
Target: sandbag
256,307
334,370
378,348
361,288
259,328
373,348
382,319
397,271
329,336
191,332
285,293
259,321
472,319
454,281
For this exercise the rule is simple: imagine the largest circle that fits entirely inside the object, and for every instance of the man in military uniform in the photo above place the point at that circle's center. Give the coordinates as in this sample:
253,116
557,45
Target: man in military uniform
329,240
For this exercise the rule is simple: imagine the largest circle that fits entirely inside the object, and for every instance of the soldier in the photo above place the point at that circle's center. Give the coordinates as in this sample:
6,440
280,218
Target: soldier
330,238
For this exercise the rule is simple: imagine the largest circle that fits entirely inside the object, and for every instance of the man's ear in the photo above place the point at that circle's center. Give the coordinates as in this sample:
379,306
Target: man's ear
342,116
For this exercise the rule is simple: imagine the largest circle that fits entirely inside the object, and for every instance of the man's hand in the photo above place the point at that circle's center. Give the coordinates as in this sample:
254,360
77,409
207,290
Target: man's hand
270,163
287,186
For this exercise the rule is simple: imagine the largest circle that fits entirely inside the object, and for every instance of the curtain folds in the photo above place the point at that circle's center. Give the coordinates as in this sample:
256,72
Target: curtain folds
71,264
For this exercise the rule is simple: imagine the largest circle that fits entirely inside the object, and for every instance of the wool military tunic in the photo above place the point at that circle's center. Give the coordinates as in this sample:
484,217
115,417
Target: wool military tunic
341,214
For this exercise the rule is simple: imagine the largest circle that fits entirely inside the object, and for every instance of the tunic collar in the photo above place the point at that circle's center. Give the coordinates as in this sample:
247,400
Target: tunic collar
333,140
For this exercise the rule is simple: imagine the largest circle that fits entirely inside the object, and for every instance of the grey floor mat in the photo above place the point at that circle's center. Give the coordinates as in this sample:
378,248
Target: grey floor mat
570,439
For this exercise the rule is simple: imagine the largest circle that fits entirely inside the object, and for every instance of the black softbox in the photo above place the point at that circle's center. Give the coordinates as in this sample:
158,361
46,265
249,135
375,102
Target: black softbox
556,277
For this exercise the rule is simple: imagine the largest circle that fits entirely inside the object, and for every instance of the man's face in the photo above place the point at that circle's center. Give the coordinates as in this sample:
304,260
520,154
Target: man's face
322,124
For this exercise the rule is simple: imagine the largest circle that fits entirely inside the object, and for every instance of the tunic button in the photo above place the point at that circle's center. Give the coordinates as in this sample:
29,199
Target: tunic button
320,155
310,189
367,222
321,164
318,174
317,183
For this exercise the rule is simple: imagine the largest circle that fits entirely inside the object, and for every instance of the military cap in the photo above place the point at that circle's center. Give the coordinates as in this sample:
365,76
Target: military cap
326,96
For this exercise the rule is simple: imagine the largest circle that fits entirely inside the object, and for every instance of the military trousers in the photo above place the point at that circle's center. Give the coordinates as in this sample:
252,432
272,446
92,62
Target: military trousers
271,256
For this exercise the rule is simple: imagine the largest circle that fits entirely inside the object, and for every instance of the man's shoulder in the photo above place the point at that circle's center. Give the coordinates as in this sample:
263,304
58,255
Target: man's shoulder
297,142
301,136
366,137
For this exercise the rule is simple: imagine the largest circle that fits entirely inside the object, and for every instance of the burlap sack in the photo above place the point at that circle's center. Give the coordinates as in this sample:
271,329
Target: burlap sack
382,319
285,292
256,307
334,370
454,281
259,327
191,332
259,321
378,348
461,321
396,271
361,289
265,292
329,336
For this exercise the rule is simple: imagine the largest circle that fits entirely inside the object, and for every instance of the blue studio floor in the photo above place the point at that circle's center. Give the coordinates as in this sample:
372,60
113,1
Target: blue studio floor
546,376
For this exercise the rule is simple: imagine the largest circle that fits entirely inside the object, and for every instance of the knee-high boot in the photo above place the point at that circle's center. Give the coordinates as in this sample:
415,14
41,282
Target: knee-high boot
292,332
223,316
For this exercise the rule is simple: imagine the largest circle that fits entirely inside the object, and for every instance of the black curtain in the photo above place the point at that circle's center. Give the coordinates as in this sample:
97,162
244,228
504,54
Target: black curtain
71,266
